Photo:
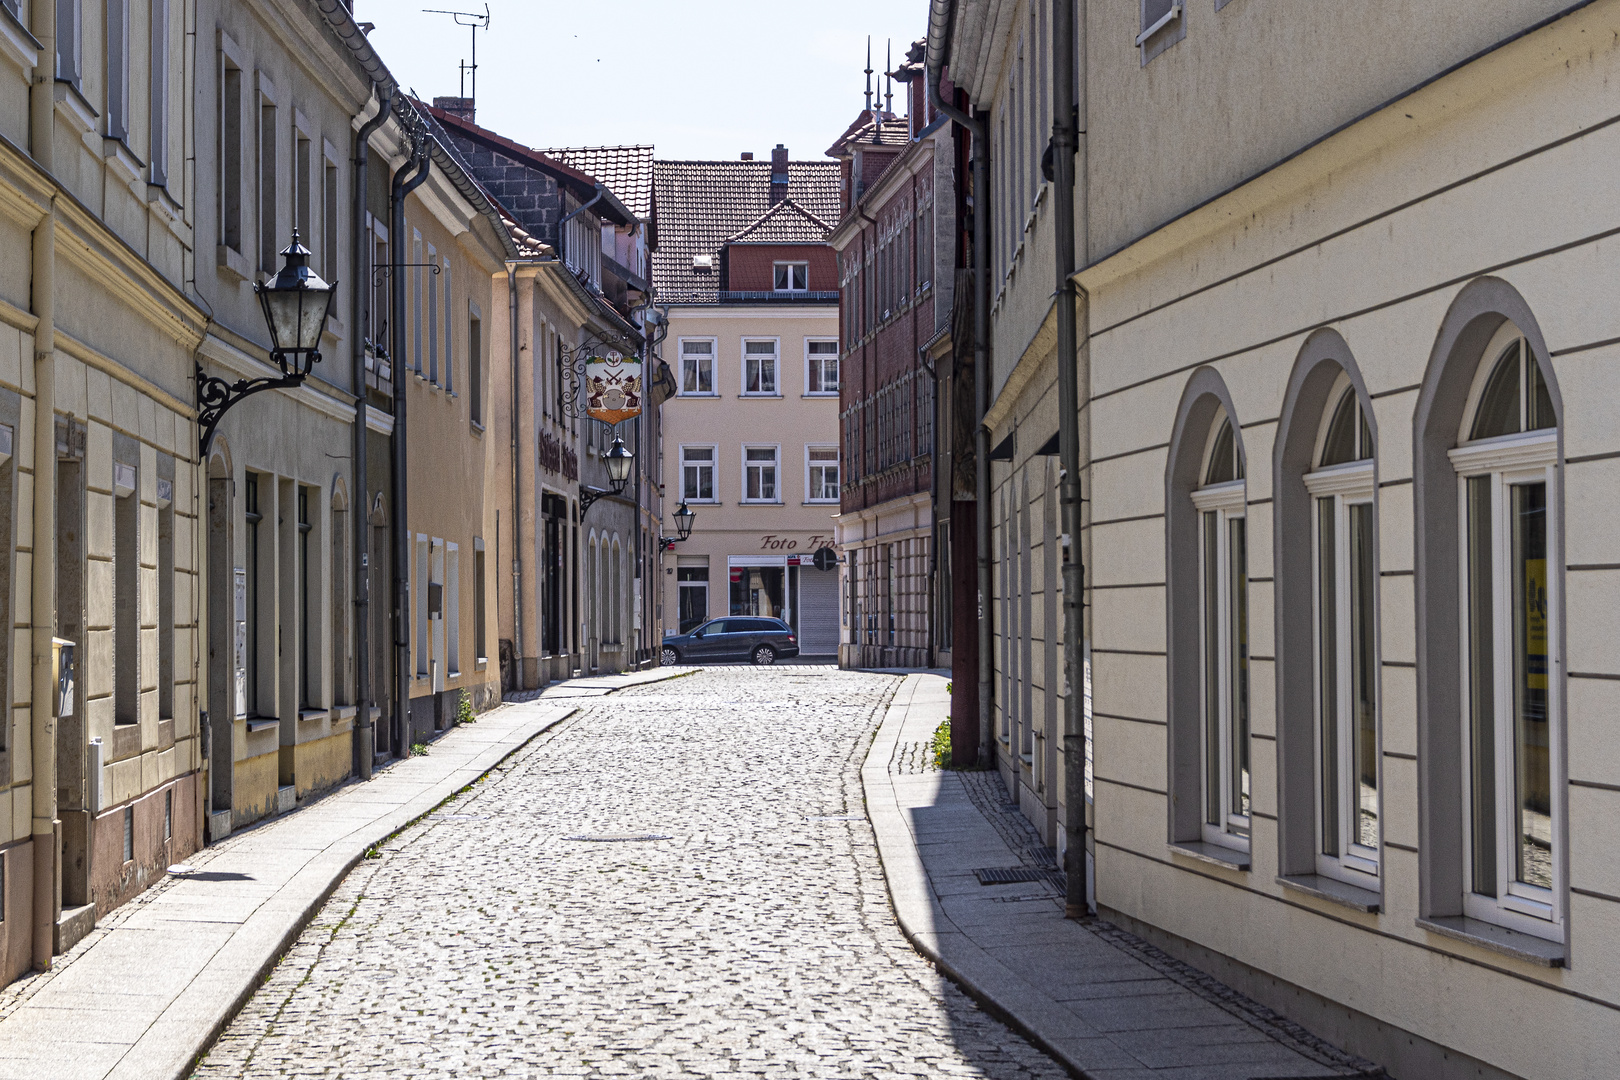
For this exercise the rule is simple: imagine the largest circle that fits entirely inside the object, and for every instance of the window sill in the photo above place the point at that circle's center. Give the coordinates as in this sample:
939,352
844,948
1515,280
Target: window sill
820,502
759,395
309,716
16,42
478,429
821,394
1532,950
697,395
1214,854
761,502
233,262
1331,889
262,724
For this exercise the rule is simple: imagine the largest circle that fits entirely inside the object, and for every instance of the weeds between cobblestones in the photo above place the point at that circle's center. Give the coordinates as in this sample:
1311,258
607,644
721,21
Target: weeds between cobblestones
756,942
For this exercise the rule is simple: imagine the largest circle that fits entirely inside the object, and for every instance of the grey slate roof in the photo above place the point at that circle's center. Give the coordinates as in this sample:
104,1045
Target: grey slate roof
785,223
704,204
626,170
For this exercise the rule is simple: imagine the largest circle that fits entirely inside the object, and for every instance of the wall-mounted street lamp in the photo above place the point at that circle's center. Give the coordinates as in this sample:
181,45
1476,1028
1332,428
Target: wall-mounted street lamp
296,304
684,516
619,461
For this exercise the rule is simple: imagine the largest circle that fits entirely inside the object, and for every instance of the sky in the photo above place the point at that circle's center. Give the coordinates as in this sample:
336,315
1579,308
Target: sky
695,78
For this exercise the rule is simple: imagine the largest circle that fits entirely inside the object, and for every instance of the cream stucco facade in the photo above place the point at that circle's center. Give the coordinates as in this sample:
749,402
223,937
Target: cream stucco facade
747,545
1381,248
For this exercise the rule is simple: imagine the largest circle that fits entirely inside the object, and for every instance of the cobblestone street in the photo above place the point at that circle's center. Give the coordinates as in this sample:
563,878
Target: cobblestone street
753,938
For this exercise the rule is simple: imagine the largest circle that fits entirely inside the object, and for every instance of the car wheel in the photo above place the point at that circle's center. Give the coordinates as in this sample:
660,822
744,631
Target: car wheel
670,657
764,656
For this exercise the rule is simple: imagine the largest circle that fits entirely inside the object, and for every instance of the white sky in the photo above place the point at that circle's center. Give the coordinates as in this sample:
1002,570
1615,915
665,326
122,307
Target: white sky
696,78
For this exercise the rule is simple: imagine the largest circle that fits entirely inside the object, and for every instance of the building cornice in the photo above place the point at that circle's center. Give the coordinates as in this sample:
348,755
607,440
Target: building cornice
1560,39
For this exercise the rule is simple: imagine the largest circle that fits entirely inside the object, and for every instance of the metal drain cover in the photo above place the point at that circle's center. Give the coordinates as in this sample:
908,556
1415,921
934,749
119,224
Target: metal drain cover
1007,875
620,838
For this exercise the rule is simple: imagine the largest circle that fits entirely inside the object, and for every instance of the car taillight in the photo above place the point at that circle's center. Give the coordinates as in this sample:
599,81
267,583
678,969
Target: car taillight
790,637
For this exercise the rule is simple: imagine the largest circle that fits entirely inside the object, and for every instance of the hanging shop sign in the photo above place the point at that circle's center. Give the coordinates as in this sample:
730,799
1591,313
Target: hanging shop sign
612,388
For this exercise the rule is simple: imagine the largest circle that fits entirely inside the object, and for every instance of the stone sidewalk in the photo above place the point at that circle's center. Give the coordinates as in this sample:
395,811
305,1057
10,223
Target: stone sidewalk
150,988
1105,1003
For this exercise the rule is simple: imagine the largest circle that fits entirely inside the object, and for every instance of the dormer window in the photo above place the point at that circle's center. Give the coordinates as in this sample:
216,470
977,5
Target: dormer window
792,277
702,264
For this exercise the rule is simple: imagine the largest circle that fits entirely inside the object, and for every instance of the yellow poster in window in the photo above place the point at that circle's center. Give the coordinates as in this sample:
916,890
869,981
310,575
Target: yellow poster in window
1535,623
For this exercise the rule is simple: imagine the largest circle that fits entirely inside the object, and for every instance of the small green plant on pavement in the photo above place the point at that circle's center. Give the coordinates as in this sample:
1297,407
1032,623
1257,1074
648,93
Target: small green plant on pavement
464,710
940,745
419,749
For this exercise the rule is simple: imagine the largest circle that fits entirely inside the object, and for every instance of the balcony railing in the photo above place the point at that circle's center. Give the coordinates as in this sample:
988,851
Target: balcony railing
829,296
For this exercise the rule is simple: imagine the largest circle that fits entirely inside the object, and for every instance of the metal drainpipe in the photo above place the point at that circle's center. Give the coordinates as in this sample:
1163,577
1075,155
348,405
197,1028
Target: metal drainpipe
365,737
400,188
1065,139
46,830
517,481
939,16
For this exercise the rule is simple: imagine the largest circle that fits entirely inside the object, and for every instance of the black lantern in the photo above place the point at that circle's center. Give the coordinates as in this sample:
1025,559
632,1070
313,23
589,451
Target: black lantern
683,520
619,459
296,304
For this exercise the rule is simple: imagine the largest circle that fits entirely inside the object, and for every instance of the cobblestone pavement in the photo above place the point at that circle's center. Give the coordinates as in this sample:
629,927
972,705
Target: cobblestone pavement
757,940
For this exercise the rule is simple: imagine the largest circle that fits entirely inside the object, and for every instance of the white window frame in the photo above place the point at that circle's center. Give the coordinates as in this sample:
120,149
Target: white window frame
812,359
1228,501
714,350
1527,457
713,465
1348,485
790,265
776,366
776,474
810,495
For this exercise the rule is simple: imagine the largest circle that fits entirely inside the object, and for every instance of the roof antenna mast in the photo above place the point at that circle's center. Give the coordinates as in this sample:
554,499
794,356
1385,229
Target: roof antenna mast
475,22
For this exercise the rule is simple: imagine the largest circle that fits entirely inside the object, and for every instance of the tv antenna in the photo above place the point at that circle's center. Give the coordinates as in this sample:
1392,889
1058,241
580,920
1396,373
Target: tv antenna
475,22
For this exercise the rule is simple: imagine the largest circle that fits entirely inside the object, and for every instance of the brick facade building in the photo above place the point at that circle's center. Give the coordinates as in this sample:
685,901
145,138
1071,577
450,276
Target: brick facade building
896,270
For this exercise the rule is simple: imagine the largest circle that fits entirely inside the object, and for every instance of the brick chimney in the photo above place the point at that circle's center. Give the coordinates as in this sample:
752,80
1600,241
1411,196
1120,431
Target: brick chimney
779,174
748,155
460,107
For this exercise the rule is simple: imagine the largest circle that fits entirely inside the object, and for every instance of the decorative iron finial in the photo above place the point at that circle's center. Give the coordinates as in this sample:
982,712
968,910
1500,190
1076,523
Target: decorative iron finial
868,72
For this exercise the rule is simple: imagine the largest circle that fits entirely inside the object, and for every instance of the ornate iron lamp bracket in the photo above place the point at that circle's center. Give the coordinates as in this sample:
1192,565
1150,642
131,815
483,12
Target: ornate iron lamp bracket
588,496
216,397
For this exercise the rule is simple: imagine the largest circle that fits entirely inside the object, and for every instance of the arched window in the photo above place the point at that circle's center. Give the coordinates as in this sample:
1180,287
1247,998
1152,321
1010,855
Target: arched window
1506,461
1224,632
1341,486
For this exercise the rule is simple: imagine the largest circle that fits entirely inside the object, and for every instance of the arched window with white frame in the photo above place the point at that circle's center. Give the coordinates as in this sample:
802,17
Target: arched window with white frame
1342,485
1506,461
1221,501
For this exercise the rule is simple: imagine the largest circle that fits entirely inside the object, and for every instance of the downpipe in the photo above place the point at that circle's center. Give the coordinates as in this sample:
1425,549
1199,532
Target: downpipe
1066,127
399,189
365,735
939,17
45,831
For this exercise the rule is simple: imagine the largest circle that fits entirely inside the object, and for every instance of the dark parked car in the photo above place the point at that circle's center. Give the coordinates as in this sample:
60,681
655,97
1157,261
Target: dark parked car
738,637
